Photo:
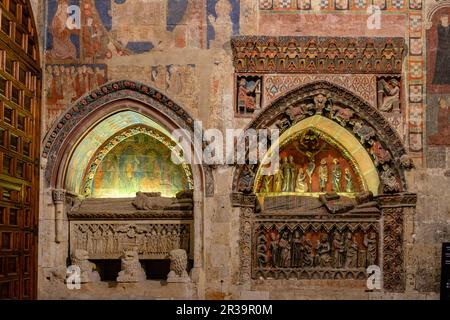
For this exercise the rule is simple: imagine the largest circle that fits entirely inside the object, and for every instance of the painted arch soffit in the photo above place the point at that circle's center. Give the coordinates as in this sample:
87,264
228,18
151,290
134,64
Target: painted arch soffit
107,133
149,99
121,137
356,116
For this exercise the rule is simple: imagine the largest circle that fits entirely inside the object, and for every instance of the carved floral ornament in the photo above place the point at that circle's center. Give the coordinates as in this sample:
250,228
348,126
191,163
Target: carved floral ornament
365,123
318,54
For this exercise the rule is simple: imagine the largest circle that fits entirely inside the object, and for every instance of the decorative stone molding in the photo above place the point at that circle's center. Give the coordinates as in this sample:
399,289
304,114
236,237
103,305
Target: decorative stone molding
290,54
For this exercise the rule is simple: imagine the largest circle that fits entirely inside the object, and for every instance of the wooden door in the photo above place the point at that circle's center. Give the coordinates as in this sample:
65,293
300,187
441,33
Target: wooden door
20,81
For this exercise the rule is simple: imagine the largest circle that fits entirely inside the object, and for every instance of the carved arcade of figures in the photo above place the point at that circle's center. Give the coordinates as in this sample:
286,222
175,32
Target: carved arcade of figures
332,250
291,178
151,240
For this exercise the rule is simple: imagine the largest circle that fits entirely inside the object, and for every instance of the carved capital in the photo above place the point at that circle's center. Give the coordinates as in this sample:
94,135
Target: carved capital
58,196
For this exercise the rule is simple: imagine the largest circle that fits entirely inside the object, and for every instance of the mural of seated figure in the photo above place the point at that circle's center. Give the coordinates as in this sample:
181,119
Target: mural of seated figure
132,270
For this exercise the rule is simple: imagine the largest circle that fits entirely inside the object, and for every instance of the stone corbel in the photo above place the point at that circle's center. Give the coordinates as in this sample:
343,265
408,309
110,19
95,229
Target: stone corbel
59,197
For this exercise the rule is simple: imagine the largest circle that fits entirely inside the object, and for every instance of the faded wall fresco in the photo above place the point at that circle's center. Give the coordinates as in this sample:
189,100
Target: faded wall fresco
139,163
438,83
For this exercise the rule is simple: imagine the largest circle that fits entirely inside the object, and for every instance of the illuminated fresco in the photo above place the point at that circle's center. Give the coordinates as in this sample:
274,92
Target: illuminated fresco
139,163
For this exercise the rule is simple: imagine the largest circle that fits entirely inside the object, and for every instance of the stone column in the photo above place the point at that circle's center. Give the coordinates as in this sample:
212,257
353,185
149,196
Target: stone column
246,202
198,236
393,209
59,197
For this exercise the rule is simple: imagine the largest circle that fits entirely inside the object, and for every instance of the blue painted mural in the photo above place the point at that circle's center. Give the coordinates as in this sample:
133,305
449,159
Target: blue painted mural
223,21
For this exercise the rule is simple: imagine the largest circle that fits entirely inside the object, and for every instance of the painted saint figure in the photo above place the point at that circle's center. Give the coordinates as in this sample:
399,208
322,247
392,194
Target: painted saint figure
442,135
442,70
310,171
323,175
62,46
337,176
266,184
348,181
278,181
300,185
288,171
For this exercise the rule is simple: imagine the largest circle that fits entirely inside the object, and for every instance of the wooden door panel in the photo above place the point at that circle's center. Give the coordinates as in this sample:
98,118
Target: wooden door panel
20,81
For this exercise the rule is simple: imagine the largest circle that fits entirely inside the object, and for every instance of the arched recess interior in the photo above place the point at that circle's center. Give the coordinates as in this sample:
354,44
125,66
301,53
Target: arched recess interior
117,106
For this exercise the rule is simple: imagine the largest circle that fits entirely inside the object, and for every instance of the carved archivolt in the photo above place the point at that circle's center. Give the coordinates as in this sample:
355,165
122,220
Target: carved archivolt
337,104
65,128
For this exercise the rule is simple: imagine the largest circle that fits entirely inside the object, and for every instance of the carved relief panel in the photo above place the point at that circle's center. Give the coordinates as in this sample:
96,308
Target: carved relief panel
314,249
109,239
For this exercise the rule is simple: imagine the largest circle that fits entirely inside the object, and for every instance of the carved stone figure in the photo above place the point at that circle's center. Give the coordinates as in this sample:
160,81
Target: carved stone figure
278,182
292,167
370,241
150,201
178,267
351,252
308,258
274,249
324,252
297,254
390,182
388,95
288,171
249,96
342,115
310,171
284,248
348,181
320,101
338,250
323,175
337,176
132,270
300,185
89,274
364,132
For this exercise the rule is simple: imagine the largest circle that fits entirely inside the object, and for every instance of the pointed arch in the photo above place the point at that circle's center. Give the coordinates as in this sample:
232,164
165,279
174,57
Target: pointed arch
113,97
356,116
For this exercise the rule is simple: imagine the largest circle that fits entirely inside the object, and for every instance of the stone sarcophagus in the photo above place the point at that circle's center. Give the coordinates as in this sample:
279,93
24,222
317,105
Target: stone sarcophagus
149,224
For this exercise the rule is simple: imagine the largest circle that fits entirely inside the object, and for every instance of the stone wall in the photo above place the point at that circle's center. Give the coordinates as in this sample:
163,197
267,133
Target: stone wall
182,48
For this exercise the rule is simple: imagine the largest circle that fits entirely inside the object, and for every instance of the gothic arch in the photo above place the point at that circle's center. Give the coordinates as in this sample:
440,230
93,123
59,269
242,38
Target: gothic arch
113,97
357,116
